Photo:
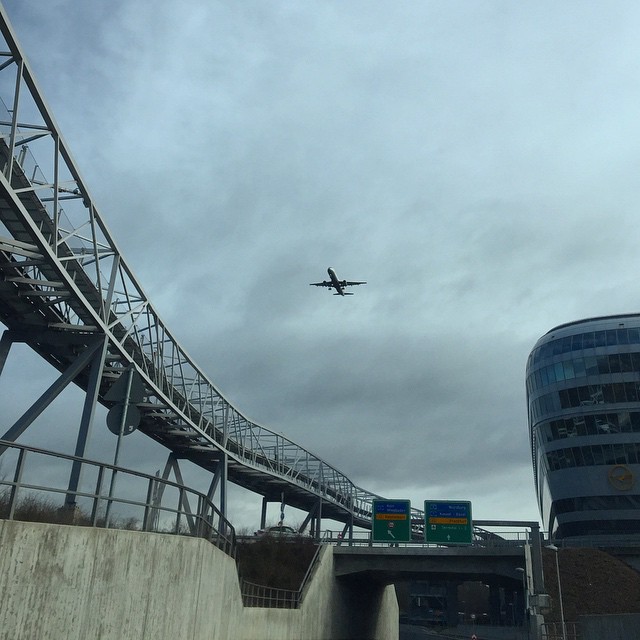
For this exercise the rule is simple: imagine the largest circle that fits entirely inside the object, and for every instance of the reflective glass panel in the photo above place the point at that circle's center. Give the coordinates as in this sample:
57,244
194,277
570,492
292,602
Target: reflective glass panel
578,368
559,371
591,365
567,366
576,342
626,365
614,363
603,365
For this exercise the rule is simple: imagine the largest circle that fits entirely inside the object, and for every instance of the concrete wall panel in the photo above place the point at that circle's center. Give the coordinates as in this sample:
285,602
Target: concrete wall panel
60,581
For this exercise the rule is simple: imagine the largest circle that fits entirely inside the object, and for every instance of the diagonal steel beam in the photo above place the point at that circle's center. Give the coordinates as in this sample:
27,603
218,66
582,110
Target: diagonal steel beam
50,394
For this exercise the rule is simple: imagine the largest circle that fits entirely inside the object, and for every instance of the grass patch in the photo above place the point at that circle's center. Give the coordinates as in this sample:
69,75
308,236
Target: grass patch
35,508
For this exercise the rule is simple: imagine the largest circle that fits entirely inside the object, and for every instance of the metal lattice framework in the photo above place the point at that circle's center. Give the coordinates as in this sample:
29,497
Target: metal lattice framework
67,292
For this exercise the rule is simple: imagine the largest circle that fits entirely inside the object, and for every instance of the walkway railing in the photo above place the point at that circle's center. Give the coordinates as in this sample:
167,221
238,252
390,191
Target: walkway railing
109,497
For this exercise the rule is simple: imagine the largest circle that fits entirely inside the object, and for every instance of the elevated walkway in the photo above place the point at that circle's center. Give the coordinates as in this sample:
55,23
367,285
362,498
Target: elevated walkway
68,293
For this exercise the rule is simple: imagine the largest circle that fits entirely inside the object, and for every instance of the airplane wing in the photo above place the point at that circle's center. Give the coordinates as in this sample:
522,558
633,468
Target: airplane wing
345,283
321,284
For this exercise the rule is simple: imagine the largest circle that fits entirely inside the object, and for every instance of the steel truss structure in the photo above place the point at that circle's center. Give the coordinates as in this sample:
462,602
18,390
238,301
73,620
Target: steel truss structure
67,292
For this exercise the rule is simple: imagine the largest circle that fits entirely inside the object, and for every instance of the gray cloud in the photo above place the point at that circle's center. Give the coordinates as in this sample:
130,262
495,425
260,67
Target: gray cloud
476,164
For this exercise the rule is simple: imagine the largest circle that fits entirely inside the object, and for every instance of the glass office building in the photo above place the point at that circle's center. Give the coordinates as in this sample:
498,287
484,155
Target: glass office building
583,396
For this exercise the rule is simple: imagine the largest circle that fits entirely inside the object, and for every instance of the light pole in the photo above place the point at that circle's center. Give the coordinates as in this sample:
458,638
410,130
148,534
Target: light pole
525,604
564,629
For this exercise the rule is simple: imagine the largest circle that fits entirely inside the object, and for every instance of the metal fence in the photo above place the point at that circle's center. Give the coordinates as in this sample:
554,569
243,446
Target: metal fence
34,487
515,539
255,595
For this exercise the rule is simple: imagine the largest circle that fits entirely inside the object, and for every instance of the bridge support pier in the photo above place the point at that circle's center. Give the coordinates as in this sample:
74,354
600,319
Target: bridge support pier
452,603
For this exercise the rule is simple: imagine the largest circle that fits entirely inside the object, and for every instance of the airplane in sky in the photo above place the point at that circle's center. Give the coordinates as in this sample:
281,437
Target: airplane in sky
336,284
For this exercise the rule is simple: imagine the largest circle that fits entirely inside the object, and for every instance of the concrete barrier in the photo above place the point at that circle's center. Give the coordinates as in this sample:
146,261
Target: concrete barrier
67,582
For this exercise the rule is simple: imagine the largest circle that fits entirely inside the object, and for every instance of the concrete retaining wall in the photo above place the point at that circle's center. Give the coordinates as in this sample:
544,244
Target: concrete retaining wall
75,583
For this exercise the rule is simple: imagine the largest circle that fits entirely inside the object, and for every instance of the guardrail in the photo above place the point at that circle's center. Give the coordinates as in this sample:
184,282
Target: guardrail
515,539
109,497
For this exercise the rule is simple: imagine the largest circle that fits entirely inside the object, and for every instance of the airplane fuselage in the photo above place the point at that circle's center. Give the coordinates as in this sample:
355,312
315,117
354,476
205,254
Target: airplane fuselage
337,285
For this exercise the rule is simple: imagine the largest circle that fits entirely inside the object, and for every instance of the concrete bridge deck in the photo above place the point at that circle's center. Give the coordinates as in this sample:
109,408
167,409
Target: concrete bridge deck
393,564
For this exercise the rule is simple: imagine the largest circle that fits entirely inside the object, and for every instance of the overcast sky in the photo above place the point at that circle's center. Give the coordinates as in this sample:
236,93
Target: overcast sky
476,163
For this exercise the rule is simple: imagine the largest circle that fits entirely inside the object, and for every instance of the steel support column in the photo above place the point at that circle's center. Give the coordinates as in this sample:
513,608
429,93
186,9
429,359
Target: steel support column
88,412
263,513
219,481
5,345
51,394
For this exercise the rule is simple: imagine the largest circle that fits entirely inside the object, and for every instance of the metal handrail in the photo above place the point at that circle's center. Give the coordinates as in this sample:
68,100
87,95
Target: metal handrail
21,500
255,595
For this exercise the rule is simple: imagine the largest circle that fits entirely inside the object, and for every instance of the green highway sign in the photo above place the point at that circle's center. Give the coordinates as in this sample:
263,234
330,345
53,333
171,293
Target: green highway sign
447,522
391,521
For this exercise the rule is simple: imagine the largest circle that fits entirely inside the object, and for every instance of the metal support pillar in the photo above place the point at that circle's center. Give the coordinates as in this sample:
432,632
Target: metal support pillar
315,518
183,504
184,501
88,412
219,481
5,345
452,603
51,394
308,519
319,519
263,513
344,534
494,605
116,456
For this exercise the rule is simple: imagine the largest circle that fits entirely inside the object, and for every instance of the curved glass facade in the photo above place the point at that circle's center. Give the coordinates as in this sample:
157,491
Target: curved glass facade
583,397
